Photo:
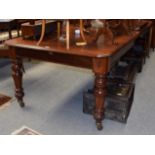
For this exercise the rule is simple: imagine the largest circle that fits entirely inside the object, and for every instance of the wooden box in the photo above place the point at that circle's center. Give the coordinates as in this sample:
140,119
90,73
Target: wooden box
124,71
136,55
118,101
138,60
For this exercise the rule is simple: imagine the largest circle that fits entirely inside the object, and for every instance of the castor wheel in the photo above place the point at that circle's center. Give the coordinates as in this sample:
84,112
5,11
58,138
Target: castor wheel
21,103
99,126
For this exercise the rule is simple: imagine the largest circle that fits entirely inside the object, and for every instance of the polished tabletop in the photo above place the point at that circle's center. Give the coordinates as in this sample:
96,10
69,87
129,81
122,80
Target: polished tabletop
98,49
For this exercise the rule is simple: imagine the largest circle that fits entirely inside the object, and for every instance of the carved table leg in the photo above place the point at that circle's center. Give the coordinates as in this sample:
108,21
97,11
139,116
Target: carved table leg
100,68
17,74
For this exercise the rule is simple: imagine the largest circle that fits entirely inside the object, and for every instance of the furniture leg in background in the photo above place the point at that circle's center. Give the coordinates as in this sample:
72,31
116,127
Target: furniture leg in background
149,40
9,31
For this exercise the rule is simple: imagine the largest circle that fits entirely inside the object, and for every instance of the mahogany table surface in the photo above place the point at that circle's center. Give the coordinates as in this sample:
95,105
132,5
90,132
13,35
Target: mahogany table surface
91,50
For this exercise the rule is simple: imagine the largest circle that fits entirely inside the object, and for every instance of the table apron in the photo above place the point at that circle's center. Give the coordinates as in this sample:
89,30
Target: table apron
67,59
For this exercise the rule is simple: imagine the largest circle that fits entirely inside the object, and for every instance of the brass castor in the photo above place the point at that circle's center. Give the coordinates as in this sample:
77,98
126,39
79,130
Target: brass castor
99,126
21,103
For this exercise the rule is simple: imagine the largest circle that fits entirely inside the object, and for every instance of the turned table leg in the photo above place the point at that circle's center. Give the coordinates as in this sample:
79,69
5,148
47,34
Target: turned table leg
17,74
100,93
100,67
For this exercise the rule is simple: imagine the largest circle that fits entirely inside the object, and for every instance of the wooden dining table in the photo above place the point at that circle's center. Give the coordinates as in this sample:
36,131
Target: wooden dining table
99,57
